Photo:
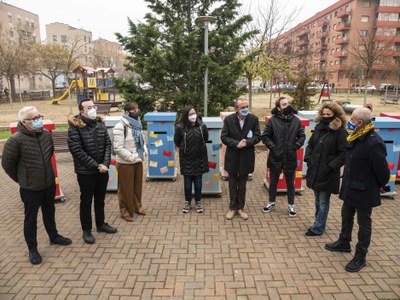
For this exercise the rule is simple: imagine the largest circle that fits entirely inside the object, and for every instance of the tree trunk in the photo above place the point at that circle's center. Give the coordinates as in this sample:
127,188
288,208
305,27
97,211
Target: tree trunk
12,89
250,82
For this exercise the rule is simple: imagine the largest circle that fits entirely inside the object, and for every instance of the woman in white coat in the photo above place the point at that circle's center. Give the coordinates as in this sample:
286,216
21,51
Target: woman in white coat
129,146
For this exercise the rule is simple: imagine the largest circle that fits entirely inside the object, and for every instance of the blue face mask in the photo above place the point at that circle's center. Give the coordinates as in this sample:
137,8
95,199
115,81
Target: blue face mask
244,112
351,125
37,124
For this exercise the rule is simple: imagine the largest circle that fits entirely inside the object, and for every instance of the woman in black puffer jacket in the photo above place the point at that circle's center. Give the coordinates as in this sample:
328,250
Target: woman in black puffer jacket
325,155
191,136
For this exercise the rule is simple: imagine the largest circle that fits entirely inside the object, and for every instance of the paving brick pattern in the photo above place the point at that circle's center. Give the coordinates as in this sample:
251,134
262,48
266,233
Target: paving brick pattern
170,255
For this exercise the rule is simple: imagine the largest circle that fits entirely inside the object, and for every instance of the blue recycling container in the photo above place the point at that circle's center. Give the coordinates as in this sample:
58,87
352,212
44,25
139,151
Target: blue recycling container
308,130
161,148
211,183
389,131
112,170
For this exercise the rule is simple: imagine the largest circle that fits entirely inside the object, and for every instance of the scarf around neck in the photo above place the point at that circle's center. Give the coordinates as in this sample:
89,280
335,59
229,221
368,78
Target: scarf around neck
357,133
137,135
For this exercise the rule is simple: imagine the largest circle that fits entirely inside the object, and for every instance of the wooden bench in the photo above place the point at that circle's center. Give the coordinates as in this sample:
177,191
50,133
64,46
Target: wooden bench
103,108
391,97
60,141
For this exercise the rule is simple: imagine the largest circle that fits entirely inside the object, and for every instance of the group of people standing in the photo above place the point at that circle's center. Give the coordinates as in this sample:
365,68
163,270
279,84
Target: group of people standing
27,160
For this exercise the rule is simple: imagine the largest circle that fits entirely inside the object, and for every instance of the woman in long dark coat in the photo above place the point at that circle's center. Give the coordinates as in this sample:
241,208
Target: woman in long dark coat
190,137
325,155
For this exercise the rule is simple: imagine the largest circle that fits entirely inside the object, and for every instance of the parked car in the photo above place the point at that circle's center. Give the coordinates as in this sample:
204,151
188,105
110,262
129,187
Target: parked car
369,87
384,86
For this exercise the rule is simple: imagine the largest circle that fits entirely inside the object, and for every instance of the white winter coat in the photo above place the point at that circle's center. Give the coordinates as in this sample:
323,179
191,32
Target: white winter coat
125,147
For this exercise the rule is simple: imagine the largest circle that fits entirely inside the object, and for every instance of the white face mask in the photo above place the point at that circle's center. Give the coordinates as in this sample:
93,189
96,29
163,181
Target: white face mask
92,113
192,118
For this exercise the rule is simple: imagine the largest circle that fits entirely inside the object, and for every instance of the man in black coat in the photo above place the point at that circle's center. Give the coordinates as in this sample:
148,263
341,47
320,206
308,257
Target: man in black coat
241,131
27,160
90,146
365,173
283,135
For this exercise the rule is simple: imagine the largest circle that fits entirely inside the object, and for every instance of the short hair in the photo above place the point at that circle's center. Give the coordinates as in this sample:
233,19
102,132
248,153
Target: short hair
364,114
23,112
235,105
129,105
80,106
278,102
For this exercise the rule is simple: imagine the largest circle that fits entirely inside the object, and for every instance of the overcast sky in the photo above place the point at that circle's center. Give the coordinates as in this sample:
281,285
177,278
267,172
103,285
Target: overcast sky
103,18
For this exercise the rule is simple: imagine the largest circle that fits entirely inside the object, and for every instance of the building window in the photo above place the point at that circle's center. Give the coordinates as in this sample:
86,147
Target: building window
361,47
11,33
54,38
63,39
367,3
9,18
84,38
19,20
363,32
364,19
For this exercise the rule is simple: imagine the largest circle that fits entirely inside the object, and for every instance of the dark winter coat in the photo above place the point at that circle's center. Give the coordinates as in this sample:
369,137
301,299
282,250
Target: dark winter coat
191,142
240,161
325,155
365,171
89,143
283,135
27,159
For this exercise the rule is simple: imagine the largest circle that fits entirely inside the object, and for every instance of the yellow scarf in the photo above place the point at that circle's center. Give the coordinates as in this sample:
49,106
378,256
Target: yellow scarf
357,133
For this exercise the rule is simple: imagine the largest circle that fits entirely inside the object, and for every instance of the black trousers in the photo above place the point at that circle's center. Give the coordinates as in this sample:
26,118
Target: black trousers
237,191
92,186
274,178
364,227
32,201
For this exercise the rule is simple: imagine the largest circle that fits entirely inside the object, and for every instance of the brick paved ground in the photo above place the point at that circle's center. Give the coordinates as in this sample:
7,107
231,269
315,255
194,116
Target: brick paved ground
168,255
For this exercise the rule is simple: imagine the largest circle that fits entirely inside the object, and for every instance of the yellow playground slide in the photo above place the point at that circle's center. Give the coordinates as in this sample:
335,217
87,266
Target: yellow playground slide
65,95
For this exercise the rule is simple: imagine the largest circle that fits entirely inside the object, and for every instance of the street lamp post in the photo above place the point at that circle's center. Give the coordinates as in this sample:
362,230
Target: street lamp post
205,20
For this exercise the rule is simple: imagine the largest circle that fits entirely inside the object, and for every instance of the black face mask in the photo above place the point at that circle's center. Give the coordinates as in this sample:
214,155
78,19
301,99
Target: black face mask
134,115
287,110
327,120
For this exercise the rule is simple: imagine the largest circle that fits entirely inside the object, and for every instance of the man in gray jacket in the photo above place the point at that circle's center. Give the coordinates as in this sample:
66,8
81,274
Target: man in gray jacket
27,160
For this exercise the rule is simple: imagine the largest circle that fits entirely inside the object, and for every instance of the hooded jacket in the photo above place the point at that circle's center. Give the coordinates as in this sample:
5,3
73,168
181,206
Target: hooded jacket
191,140
325,155
89,144
27,159
283,135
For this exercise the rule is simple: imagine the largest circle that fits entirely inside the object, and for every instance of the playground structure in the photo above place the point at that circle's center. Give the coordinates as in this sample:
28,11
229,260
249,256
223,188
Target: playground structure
91,83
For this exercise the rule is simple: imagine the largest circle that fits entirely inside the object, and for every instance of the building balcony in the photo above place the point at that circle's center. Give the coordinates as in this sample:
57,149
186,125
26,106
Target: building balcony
321,34
391,24
340,54
320,47
343,27
343,13
340,41
302,43
302,32
384,38
322,22
388,9
320,58
302,52
337,67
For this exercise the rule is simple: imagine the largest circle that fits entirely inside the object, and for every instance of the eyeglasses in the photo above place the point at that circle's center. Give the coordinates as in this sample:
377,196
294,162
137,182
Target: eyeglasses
90,107
244,107
38,117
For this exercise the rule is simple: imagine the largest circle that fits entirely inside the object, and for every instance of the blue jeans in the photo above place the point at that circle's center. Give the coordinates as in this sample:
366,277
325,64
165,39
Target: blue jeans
188,180
322,201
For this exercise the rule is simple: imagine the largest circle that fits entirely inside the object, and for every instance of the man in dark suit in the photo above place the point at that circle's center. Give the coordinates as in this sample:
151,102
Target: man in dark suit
365,173
241,131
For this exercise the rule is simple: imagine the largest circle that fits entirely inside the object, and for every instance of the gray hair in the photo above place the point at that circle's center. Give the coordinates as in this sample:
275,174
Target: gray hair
363,114
23,112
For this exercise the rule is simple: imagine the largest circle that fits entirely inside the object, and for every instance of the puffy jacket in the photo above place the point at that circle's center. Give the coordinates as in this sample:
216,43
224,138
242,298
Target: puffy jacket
365,171
325,155
89,143
283,135
124,143
27,159
191,141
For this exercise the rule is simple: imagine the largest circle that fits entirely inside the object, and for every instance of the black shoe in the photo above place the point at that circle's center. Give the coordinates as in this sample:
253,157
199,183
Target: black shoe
356,264
106,228
338,246
60,240
34,257
88,237
312,233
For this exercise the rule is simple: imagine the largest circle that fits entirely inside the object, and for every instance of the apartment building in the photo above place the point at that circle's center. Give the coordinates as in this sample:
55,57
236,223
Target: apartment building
68,36
16,22
329,41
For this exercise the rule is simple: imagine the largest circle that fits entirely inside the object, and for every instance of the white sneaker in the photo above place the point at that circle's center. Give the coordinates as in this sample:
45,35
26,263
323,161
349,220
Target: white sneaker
292,211
270,206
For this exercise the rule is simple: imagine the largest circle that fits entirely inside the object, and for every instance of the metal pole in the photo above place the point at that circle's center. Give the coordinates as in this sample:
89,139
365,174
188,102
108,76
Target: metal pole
206,73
